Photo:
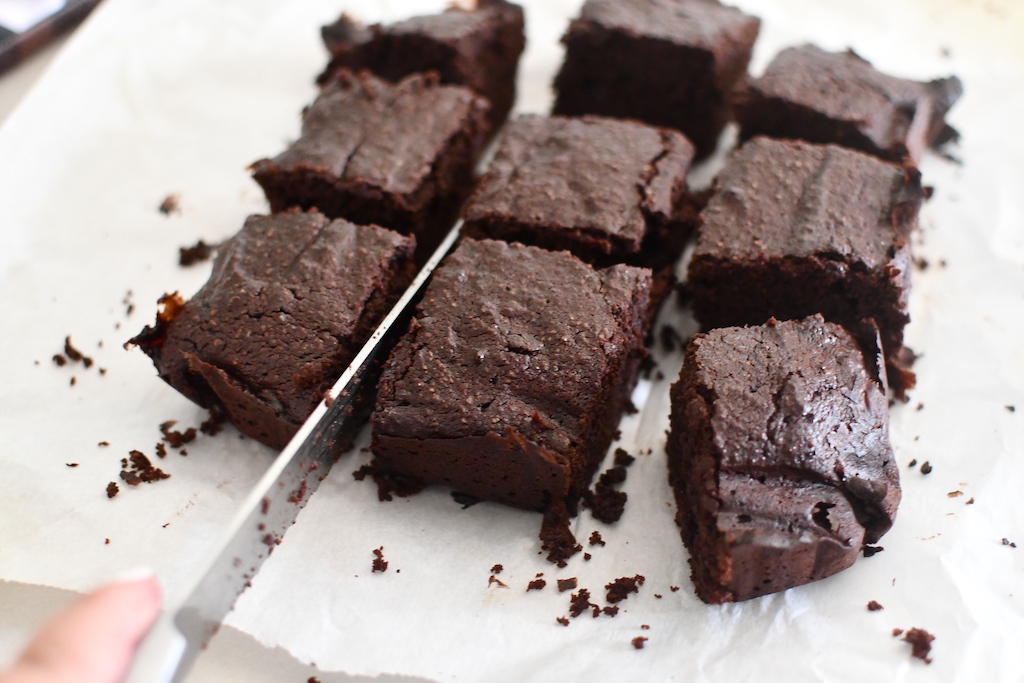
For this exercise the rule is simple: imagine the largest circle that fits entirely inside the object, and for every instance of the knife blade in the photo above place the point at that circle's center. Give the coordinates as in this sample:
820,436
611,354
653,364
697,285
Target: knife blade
179,634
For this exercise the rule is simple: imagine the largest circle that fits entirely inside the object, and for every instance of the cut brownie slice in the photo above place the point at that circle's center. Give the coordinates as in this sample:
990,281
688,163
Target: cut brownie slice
476,48
795,229
666,62
511,379
838,97
609,191
396,155
779,457
291,299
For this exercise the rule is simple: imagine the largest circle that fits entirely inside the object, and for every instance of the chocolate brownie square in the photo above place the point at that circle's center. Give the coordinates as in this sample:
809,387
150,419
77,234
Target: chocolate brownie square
478,48
779,457
795,229
510,381
609,191
291,300
838,97
373,152
666,62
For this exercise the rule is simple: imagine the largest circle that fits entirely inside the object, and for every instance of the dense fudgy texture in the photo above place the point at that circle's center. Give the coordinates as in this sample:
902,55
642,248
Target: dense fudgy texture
291,299
609,191
666,62
476,48
779,457
511,379
795,229
372,152
838,97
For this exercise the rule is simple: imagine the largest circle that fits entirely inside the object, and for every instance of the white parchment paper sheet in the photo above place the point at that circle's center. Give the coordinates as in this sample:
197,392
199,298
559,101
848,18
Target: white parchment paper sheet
158,97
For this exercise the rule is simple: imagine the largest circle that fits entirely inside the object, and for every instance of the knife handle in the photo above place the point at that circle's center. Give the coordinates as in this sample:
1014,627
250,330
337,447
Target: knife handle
158,658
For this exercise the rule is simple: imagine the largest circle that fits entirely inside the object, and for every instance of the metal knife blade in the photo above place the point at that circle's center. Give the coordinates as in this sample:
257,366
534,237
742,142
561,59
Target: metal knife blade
171,646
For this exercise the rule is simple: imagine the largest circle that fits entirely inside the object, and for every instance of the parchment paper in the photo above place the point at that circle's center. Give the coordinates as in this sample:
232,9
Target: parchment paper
152,98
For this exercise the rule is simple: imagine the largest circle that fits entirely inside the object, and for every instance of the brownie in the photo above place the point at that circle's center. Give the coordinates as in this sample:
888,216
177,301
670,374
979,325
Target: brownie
666,62
478,48
779,457
795,229
373,152
609,191
838,97
291,300
510,381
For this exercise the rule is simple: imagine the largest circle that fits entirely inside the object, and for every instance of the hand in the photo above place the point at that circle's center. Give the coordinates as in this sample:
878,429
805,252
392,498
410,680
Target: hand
93,640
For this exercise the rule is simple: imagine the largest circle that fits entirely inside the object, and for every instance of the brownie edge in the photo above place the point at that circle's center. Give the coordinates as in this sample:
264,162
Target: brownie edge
779,457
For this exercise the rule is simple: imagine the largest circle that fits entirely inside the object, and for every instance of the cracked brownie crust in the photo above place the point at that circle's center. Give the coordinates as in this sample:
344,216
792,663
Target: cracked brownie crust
291,299
779,457
511,379
477,48
396,155
795,229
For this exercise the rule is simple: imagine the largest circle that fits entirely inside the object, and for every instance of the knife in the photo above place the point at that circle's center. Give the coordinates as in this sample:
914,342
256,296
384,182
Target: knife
168,650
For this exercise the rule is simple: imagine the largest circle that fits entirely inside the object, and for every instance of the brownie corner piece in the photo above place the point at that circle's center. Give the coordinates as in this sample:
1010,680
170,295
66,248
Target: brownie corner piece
510,382
809,94
670,63
478,48
779,457
399,155
291,299
607,190
794,229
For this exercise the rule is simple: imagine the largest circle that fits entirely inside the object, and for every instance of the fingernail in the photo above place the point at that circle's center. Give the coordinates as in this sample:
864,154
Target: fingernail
133,575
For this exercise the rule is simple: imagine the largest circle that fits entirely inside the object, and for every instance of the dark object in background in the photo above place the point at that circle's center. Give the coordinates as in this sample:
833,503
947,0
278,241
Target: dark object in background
17,46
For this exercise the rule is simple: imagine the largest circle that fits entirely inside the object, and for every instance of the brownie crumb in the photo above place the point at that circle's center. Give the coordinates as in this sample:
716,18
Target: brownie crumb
140,470
1010,543
586,557
638,642
379,563
313,679
495,580
71,464
912,463
464,499
610,610
75,355
926,467
870,550
536,585
60,360
556,537
1011,409
497,569
607,503
658,595
595,539
619,589
106,541
563,621
954,494
623,458
897,632
969,501
197,253
570,584
919,407
674,589
161,450
74,381
214,424
874,606
112,491
580,603
920,643
169,205
177,439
